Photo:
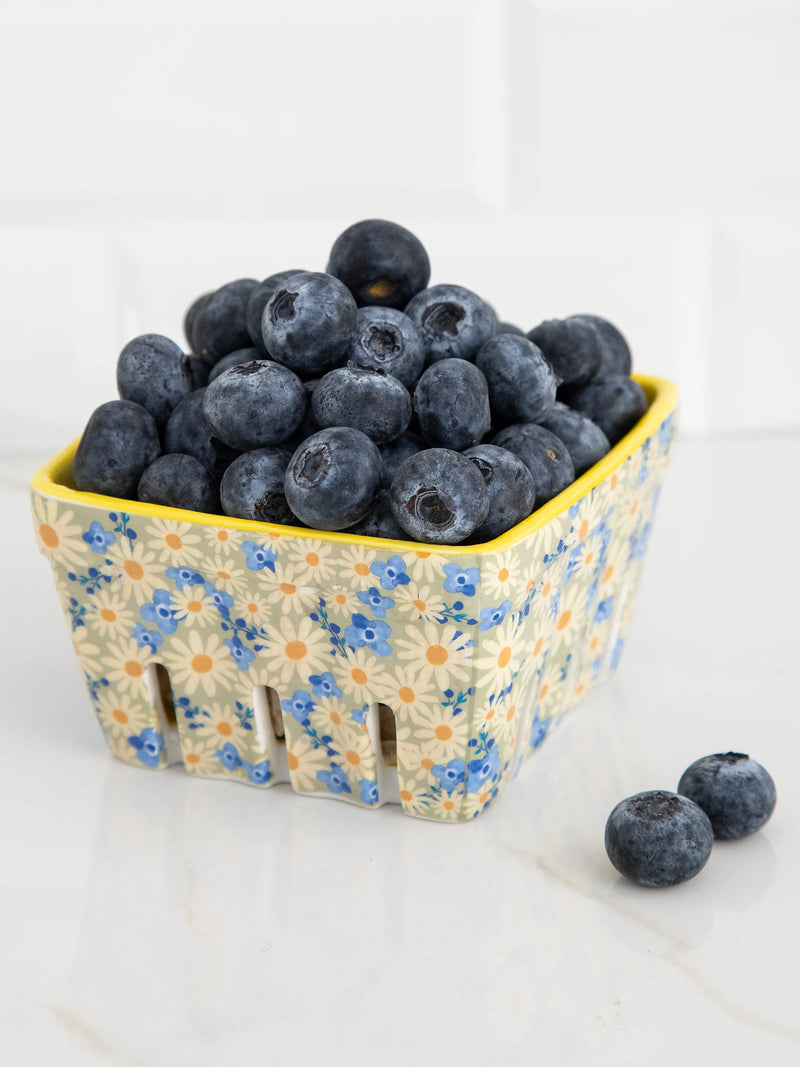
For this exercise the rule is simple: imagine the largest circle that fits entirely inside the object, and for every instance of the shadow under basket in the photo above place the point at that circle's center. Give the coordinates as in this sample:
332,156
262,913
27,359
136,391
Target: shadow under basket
368,670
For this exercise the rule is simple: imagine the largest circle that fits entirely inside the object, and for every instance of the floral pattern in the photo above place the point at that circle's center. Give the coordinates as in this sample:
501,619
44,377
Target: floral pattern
279,648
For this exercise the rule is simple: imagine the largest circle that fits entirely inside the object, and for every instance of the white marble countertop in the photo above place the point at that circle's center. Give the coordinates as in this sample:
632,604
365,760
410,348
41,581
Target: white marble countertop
157,919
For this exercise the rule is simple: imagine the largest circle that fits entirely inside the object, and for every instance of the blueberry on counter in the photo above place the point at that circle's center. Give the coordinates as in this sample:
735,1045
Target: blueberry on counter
439,496
658,838
522,384
120,440
153,371
177,480
259,297
736,793
545,455
220,325
454,321
615,353
394,452
189,431
368,400
615,404
451,401
570,346
254,405
332,478
379,520
585,441
381,263
233,359
308,323
386,339
252,486
510,486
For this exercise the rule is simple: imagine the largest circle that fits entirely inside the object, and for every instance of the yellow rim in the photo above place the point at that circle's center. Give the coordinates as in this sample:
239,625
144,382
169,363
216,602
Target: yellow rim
54,478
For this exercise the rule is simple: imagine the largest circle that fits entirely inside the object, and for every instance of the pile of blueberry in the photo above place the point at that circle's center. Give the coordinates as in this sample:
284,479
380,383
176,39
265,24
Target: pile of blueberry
659,838
361,399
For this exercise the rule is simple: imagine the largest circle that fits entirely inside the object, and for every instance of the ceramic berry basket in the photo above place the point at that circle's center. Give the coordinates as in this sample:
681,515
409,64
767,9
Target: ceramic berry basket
368,670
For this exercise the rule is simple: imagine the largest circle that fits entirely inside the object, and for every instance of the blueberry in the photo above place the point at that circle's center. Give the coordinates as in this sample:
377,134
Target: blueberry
522,385
615,353
585,441
191,314
189,431
257,301
368,400
451,401
332,478
545,455
233,359
658,838
509,327
571,347
220,325
179,481
153,371
454,321
254,405
380,262
616,404
510,486
379,520
308,323
308,424
252,486
386,339
734,791
119,442
394,452
438,496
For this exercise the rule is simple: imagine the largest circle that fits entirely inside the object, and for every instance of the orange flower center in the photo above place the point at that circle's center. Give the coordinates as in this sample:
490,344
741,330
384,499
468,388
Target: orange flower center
361,568
420,605
224,728
504,656
288,588
312,559
422,555
583,530
224,575
443,732
405,795
564,619
352,757
202,663
510,713
134,570
222,535
341,598
48,535
358,676
426,763
133,668
119,716
194,606
502,574
173,541
406,694
191,757
336,718
295,650
107,615
293,761
252,607
436,655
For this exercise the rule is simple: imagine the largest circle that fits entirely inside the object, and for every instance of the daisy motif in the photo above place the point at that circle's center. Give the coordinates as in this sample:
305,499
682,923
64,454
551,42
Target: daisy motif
502,718
441,734
297,647
222,541
408,688
125,663
255,607
137,570
342,603
192,605
228,575
425,566
110,613
58,536
568,614
441,652
500,579
592,509
226,722
312,562
289,596
419,602
332,717
175,543
503,651
445,806
305,763
88,651
199,753
201,662
354,567
361,677
356,757
123,713
413,760
548,542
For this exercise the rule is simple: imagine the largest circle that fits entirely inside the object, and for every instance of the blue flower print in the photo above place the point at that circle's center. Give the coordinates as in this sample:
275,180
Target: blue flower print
392,573
259,557
493,616
149,745
449,774
484,769
335,779
369,633
184,576
151,639
369,791
539,728
299,707
98,539
221,600
258,773
324,685
461,581
359,715
242,656
160,612
603,610
373,599
229,757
